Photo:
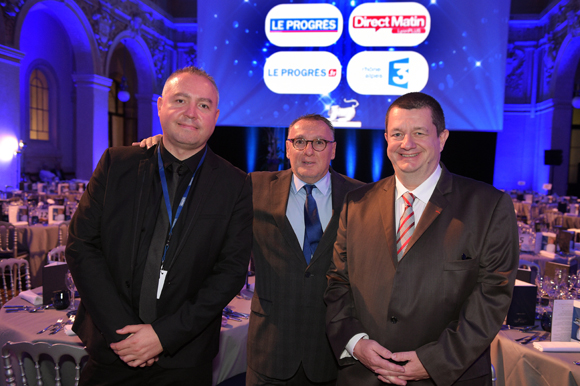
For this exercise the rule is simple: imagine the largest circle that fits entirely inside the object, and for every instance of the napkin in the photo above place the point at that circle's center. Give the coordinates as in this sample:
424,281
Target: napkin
33,296
68,330
557,346
551,255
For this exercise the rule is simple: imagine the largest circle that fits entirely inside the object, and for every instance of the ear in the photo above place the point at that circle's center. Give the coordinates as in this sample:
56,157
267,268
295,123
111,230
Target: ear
442,139
159,104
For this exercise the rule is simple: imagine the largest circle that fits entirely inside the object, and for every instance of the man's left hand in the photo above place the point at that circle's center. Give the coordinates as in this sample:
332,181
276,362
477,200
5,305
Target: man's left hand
414,369
141,348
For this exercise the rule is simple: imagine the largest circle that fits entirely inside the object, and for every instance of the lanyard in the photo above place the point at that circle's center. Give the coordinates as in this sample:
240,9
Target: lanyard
173,221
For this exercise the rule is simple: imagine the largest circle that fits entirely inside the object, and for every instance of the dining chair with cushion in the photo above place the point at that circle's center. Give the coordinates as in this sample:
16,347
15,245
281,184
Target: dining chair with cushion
15,276
9,242
56,254
42,360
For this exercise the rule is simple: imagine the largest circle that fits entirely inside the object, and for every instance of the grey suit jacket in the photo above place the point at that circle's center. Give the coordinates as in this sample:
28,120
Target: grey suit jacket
445,299
287,322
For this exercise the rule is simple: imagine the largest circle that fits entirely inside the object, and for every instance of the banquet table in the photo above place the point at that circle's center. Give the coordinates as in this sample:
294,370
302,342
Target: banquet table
230,361
38,240
522,365
541,260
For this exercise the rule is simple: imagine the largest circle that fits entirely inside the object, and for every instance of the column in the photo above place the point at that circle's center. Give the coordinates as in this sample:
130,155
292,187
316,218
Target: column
92,121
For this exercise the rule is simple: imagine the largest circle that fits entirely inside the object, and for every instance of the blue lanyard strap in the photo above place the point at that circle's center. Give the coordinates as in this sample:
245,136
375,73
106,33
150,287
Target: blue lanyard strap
173,221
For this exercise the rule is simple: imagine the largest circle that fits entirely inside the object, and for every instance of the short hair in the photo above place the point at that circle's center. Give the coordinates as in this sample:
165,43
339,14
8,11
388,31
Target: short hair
313,117
194,71
419,100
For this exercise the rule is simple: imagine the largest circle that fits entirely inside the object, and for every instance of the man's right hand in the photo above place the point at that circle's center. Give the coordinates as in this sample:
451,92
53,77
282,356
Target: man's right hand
375,357
148,142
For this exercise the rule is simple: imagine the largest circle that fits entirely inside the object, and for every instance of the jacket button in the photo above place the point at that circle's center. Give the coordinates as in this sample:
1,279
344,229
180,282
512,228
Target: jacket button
394,319
307,275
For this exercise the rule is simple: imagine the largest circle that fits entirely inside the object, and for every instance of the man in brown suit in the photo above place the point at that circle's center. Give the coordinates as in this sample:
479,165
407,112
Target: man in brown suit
424,265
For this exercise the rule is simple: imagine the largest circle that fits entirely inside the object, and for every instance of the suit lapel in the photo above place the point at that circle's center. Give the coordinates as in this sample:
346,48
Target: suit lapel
387,210
437,203
147,168
279,191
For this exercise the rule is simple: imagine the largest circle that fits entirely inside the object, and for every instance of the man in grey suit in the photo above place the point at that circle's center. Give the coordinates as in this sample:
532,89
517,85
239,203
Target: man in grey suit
287,343
423,267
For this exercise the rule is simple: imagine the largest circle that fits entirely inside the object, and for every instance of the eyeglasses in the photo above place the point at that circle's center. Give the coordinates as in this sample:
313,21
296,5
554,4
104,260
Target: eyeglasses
318,144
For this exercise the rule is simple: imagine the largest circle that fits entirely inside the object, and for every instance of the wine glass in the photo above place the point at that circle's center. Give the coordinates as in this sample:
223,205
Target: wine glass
70,284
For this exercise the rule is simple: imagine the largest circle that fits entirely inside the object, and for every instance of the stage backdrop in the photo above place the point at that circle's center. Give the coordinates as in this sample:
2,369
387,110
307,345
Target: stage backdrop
348,60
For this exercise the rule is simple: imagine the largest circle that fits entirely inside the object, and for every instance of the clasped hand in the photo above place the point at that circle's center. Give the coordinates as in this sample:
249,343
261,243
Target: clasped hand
376,358
141,348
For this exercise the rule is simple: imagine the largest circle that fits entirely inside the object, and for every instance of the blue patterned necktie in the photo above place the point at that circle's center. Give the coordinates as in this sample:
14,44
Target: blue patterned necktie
313,228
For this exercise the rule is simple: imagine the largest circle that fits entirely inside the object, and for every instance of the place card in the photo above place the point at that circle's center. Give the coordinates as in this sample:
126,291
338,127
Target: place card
563,316
56,214
18,215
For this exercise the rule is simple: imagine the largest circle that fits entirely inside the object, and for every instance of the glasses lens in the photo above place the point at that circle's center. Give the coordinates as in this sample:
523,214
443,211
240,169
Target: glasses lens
319,144
299,143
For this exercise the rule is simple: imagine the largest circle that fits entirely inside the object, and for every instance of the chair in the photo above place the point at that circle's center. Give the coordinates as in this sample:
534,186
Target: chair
493,376
15,280
56,254
9,242
62,233
58,354
532,266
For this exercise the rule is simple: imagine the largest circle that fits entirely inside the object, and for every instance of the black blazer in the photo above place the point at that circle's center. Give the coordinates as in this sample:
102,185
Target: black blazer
209,265
287,322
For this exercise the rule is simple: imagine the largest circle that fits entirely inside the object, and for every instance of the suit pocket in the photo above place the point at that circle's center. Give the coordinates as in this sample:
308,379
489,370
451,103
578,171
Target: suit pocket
261,306
460,265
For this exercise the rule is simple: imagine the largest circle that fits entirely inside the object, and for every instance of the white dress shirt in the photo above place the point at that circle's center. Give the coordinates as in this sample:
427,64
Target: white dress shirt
296,199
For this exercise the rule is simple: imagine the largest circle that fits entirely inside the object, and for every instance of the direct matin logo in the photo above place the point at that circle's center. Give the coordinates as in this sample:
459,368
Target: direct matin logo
303,72
389,24
397,23
304,25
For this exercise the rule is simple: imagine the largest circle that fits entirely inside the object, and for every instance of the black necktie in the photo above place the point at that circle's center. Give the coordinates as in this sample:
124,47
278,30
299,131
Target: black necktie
148,295
313,228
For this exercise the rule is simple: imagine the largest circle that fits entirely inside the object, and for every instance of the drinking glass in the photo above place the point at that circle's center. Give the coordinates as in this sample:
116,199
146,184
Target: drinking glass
70,284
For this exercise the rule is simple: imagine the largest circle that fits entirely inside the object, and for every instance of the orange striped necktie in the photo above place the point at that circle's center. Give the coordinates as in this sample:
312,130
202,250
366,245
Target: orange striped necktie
406,225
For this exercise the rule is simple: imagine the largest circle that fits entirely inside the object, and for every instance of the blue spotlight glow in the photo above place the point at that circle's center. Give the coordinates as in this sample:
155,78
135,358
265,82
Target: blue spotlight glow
350,153
251,148
378,154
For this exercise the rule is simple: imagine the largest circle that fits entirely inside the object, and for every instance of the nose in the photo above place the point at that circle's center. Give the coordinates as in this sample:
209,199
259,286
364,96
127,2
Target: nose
191,111
408,142
309,149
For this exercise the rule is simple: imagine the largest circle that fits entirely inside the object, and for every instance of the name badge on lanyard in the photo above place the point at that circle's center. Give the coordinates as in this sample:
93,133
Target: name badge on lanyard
172,220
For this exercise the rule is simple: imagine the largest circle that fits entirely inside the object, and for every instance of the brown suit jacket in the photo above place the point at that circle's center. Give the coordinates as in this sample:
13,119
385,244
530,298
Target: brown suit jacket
287,323
445,299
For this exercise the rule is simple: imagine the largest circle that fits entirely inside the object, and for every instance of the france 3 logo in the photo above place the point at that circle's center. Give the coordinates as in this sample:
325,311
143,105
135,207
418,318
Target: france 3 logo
302,72
389,24
304,25
387,72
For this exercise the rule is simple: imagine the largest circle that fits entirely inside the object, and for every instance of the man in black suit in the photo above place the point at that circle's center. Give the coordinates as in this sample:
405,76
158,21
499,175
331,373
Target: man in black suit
287,343
157,252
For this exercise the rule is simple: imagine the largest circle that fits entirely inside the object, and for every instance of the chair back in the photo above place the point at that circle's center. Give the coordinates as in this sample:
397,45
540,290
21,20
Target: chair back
62,233
8,240
56,254
14,280
59,353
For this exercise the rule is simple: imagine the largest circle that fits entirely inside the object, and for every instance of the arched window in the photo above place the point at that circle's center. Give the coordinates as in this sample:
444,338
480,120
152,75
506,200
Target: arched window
39,106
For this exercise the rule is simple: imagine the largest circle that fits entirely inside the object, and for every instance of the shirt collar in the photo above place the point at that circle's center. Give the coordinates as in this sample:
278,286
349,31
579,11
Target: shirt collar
424,191
190,162
322,184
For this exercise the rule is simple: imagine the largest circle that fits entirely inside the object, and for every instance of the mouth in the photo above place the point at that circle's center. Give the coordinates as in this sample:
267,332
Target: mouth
409,155
186,125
